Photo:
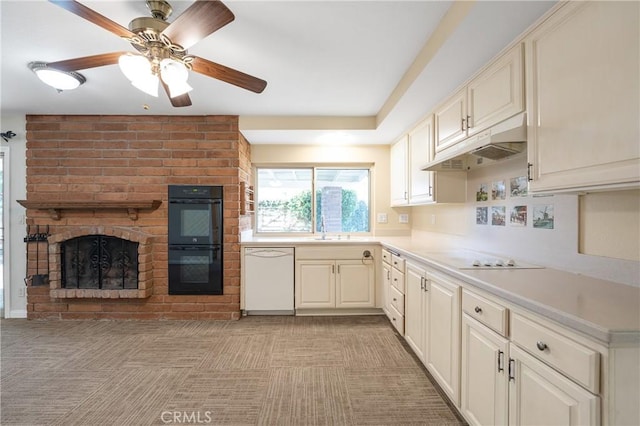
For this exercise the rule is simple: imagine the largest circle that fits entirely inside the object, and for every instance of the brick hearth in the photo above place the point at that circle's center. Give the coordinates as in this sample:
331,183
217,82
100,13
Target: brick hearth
94,159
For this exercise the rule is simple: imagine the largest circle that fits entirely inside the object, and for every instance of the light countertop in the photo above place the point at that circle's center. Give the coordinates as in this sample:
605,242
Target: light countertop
604,310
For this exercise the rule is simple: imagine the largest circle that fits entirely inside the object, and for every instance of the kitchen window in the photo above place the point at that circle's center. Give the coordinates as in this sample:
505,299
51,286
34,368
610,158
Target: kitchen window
340,205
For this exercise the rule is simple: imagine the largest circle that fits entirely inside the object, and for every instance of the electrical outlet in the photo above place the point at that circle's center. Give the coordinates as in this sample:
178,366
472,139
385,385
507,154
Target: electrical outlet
382,218
403,218
21,292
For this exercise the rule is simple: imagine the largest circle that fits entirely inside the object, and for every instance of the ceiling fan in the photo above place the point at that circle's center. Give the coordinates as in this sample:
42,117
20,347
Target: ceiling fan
162,56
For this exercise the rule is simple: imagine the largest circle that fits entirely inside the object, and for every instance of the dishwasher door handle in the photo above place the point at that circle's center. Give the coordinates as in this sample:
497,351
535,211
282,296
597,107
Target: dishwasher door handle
268,253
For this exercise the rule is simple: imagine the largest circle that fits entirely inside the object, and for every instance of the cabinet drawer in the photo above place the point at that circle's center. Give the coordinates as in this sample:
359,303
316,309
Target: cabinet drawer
487,312
397,319
396,299
386,256
397,280
569,357
397,262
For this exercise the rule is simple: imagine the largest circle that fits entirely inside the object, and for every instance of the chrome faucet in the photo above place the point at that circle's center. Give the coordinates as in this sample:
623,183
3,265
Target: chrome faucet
322,229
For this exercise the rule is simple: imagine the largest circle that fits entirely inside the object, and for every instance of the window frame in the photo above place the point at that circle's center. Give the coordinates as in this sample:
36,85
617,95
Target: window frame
369,167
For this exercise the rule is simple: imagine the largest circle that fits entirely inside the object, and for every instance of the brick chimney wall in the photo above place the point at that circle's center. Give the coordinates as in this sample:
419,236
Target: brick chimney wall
117,158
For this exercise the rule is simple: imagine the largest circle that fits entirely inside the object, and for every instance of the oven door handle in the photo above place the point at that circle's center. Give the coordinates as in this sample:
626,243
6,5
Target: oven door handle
194,248
202,201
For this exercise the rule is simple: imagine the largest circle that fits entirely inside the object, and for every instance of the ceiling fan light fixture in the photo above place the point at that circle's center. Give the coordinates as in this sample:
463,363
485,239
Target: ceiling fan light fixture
59,80
179,88
147,84
134,67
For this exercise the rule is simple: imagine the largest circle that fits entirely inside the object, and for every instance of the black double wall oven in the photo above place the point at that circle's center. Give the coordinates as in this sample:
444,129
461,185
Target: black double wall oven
195,239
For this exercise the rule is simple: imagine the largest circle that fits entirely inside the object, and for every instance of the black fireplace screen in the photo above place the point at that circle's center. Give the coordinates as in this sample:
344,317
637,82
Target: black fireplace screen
99,262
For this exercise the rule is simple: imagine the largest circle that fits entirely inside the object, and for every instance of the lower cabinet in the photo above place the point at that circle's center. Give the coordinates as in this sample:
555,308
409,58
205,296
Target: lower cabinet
386,281
527,379
443,333
501,364
415,312
335,284
484,381
539,395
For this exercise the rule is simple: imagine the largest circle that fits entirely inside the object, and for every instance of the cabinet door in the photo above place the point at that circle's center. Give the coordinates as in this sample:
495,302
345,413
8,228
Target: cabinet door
583,95
497,93
539,395
386,285
450,121
398,170
420,152
483,395
355,284
415,310
443,325
315,284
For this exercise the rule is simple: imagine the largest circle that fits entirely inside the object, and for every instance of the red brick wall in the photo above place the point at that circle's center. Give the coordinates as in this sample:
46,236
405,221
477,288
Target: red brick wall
93,158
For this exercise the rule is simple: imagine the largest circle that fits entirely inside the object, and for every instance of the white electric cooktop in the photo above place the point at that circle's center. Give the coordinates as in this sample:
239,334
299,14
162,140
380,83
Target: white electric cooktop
469,259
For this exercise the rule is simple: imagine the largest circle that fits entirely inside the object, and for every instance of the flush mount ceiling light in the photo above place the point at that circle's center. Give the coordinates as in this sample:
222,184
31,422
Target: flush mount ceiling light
60,80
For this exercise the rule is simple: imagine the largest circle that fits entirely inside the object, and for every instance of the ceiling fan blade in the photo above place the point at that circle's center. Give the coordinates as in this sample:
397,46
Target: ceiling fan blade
178,101
229,75
202,18
85,62
94,17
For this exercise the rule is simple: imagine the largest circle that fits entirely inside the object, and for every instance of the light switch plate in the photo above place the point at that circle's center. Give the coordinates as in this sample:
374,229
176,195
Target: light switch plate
382,218
403,218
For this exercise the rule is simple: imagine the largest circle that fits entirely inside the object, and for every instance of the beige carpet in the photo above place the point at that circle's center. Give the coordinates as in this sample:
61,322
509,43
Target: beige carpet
256,371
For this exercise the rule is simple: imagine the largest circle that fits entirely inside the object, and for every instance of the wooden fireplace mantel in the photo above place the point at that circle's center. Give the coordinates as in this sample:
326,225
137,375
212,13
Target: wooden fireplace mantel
56,207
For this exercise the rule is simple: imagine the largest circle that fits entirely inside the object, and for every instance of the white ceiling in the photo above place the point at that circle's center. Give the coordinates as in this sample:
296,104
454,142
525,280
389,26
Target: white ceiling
335,69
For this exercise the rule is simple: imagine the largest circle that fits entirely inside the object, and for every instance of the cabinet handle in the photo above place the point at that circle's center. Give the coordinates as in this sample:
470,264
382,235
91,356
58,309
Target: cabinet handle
529,166
512,369
338,268
541,345
500,361
478,310
468,121
333,269
395,300
462,124
388,275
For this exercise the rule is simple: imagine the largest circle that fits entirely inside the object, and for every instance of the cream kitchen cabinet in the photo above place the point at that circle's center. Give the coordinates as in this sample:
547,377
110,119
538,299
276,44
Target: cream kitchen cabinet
332,277
397,293
398,170
493,95
485,354
410,185
416,309
386,280
420,145
539,395
583,98
443,332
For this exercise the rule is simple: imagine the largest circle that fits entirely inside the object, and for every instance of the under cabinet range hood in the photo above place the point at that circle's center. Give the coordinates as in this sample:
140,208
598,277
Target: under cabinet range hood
501,141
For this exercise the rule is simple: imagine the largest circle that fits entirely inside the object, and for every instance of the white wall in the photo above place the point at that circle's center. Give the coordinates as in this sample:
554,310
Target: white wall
16,184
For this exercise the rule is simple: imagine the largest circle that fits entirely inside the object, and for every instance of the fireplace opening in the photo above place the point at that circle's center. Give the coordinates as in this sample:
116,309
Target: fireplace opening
99,262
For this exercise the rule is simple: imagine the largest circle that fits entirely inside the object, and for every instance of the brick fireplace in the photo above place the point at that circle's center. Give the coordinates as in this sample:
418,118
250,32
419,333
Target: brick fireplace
108,175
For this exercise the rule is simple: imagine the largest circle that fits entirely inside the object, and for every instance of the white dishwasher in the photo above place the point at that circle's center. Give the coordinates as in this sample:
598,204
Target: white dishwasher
268,280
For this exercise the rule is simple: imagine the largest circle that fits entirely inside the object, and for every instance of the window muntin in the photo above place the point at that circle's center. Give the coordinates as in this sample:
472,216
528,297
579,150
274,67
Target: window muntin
284,202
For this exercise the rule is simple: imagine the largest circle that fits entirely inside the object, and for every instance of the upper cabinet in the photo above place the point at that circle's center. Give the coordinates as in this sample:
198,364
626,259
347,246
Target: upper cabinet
420,146
412,186
494,95
583,87
398,169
